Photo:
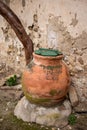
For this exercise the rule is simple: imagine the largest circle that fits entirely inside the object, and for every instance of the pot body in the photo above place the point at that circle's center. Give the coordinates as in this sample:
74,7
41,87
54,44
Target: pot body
46,80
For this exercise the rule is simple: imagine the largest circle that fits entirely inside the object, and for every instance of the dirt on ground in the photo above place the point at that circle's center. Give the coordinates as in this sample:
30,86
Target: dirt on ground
9,97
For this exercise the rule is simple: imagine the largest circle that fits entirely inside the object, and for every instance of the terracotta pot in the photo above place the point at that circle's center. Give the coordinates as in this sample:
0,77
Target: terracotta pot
46,80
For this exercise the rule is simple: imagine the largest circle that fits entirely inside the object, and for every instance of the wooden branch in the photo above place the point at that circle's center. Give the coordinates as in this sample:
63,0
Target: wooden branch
18,28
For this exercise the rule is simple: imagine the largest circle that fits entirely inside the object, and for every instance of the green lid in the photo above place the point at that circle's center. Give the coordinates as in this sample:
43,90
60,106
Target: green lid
47,52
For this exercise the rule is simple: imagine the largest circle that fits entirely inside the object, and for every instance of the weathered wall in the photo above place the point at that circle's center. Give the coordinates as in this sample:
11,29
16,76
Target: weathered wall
60,24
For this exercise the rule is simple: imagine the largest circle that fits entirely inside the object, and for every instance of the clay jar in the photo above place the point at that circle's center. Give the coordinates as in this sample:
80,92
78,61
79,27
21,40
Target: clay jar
46,80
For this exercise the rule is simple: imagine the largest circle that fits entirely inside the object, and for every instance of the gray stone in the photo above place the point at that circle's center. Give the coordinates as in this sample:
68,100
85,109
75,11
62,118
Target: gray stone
81,108
2,82
48,116
73,96
79,68
81,60
18,87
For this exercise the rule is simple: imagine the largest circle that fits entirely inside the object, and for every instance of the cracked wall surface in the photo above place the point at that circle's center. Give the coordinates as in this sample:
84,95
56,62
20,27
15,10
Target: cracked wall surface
59,24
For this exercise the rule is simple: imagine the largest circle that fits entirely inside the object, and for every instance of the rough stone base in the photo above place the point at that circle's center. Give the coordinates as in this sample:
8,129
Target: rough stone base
53,116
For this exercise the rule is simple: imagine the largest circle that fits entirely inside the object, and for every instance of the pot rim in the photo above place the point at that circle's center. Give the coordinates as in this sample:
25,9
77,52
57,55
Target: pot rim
48,57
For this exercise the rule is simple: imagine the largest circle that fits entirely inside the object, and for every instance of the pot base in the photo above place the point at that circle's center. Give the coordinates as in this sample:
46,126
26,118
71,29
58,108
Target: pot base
43,101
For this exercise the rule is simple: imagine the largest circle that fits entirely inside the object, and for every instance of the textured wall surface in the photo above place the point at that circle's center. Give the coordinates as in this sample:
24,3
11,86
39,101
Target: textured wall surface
60,24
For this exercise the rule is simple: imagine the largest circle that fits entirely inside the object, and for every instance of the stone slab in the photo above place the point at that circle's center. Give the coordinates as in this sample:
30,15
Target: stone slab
73,96
81,108
49,116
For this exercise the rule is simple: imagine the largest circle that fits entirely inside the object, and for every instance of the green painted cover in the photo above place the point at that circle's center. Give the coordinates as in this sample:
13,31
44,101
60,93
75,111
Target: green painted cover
47,52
